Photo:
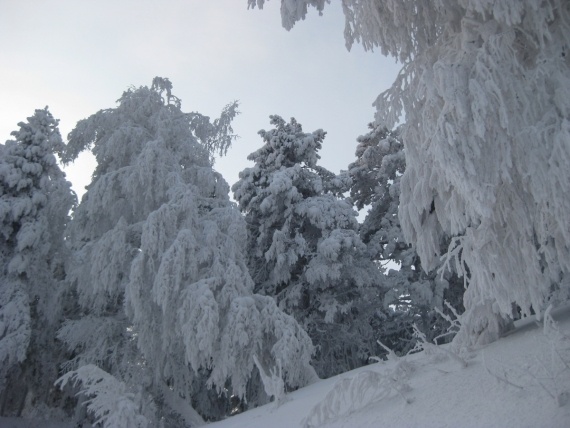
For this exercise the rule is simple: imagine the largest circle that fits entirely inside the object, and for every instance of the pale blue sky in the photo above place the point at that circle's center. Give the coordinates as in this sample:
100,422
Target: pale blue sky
79,56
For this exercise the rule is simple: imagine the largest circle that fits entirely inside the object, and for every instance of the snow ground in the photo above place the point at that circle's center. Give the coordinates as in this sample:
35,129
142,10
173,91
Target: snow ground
513,382
442,393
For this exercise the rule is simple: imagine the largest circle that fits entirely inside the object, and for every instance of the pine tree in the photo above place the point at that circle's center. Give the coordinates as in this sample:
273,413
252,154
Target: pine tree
303,247
485,92
165,302
412,295
35,200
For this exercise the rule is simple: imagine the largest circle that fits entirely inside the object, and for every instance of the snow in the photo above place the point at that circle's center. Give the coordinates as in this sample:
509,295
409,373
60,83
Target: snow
441,392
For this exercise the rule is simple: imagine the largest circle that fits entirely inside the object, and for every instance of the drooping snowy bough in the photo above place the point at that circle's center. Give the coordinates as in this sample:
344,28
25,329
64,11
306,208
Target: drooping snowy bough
485,90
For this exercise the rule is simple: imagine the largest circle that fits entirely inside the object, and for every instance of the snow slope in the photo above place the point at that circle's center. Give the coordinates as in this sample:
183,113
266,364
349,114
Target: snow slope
514,382
522,380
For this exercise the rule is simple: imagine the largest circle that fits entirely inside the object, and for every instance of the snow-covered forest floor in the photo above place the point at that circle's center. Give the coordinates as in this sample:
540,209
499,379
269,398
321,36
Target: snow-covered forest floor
439,391
522,380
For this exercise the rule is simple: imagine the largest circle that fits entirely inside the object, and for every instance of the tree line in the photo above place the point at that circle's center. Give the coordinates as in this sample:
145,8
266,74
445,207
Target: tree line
156,300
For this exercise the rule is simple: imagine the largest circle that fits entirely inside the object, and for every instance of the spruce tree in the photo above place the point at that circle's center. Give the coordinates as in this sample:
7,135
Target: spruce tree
303,248
35,200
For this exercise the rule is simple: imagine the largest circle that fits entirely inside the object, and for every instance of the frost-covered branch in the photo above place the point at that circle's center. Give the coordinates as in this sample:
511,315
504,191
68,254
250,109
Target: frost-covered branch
108,399
454,323
423,344
273,382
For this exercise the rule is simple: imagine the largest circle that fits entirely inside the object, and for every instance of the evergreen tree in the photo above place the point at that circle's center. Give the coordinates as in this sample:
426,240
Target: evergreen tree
165,302
35,200
485,92
412,295
303,247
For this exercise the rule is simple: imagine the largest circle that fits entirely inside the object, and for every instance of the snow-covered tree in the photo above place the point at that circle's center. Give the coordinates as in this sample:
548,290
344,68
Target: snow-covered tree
303,247
292,10
166,304
412,295
485,89
375,178
35,200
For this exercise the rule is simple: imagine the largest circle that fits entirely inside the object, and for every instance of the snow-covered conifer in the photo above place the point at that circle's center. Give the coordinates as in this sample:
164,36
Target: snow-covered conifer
303,247
412,295
166,304
35,200
485,92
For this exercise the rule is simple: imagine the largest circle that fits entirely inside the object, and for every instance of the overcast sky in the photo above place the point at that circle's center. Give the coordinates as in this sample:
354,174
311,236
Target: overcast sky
78,57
